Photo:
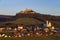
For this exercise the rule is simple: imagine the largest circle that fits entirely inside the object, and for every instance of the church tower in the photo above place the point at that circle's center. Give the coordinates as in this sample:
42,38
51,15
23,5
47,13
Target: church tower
48,23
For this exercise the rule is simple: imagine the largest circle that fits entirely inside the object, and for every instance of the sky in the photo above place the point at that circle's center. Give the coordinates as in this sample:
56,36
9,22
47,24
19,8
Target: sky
11,7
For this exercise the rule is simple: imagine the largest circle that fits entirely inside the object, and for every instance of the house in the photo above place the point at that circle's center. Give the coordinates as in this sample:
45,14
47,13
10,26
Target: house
20,27
0,35
52,28
8,28
15,29
1,29
5,36
46,29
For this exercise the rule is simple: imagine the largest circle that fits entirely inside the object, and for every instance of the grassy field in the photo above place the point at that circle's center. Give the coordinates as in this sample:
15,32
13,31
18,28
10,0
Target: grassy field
33,38
25,21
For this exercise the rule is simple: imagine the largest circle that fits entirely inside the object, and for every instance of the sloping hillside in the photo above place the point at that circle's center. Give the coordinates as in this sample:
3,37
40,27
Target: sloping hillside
27,21
29,17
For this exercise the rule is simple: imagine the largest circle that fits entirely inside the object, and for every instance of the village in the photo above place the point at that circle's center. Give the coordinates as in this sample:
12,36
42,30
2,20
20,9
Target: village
32,30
